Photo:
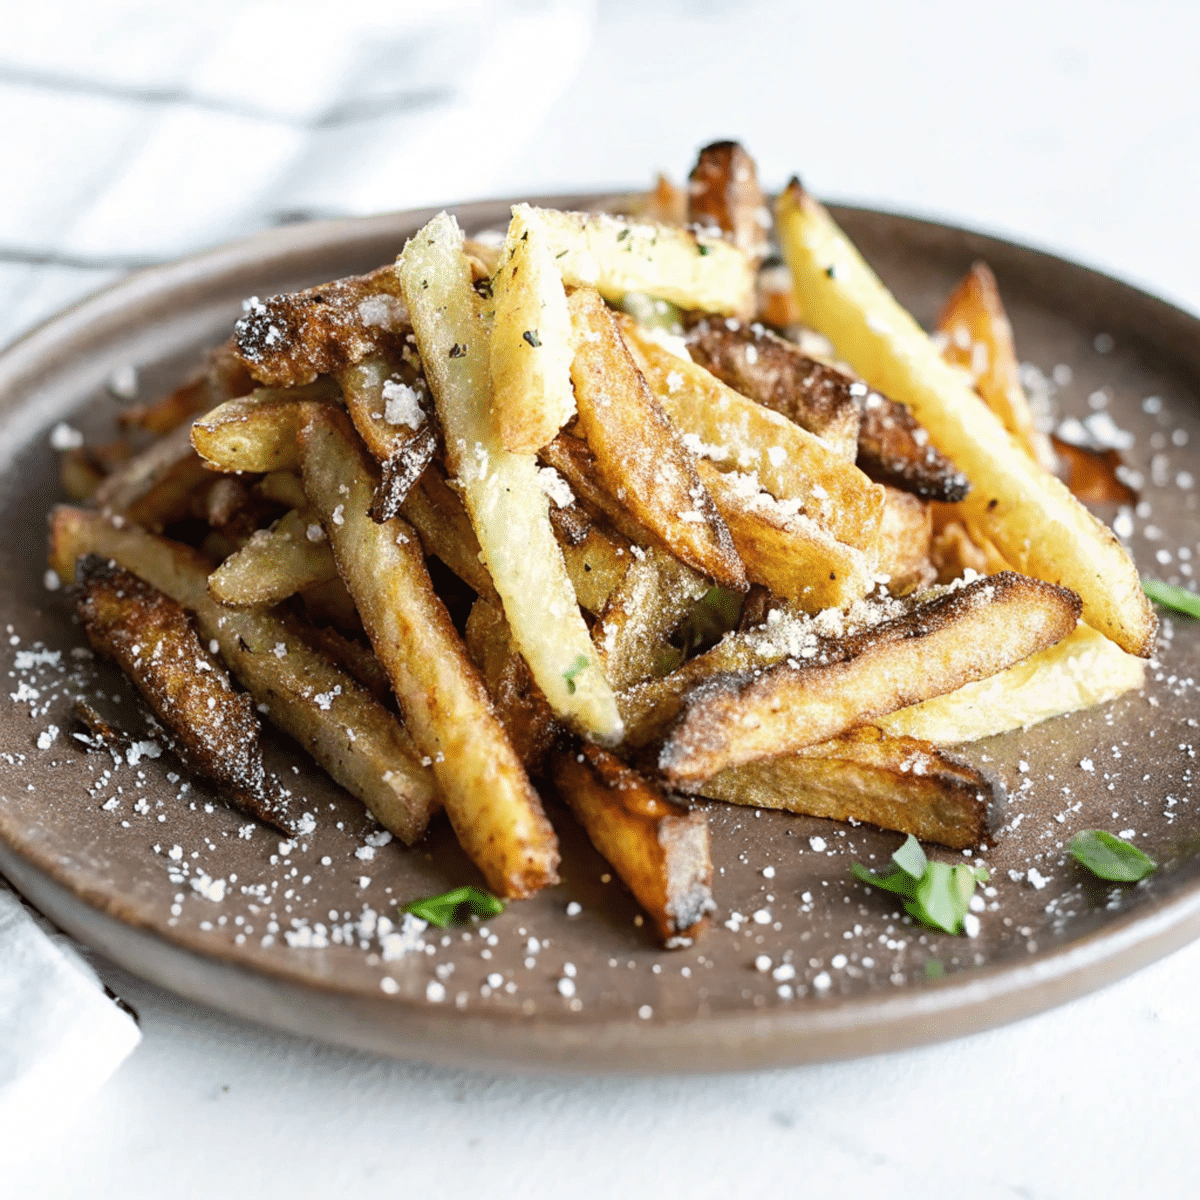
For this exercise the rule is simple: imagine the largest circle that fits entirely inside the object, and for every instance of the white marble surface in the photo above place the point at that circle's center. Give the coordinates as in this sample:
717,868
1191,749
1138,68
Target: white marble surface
1074,126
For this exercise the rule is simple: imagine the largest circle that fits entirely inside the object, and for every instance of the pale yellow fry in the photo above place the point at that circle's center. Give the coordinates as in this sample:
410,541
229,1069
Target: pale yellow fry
488,797
502,492
616,255
275,563
531,350
1083,670
1035,522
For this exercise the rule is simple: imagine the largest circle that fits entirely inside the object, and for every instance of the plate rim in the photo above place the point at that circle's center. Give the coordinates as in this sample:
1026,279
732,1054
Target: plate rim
875,1022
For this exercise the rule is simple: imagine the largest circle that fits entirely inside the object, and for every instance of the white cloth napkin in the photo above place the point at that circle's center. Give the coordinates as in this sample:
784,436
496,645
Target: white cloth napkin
144,131
135,131
61,1037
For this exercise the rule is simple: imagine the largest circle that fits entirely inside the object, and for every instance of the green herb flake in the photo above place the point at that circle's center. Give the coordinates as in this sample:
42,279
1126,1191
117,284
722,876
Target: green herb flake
1109,857
703,248
581,663
910,858
562,254
531,336
454,907
934,893
1170,596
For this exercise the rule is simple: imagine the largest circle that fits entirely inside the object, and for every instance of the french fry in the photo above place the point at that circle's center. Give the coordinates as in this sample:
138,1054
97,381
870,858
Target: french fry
155,486
616,255
639,457
596,566
354,656
305,694
657,848
386,398
963,635
1081,671
574,461
259,433
275,563
788,552
494,810
519,703
503,492
723,191
212,728
435,511
896,783
1035,522
904,542
288,340
530,358
979,337
733,431
655,594
776,374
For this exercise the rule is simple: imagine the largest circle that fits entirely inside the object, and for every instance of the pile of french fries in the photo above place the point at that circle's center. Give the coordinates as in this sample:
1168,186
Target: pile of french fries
582,511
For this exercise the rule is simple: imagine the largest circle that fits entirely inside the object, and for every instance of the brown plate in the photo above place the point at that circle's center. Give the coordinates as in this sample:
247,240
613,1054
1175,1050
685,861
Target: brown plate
288,943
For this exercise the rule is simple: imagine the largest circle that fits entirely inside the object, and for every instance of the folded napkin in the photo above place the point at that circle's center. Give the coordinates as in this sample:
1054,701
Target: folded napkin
61,1037
145,131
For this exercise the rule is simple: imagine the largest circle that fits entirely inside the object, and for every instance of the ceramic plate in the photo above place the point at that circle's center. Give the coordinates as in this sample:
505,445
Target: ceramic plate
167,881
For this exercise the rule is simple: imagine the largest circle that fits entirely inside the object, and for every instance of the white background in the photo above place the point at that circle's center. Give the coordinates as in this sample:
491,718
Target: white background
1073,126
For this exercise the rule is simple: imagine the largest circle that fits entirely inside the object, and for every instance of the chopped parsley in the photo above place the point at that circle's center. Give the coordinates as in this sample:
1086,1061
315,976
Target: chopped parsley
454,907
531,336
1170,596
581,663
703,248
934,893
1109,857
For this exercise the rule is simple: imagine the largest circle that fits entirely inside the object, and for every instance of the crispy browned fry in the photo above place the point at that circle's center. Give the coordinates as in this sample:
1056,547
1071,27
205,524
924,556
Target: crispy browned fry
639,457
389,404
732,431
789,553
966,634
259,432
723,191
438,515
291,339
1094,475
904,539
774,373
597,565
894,448
882,437
657,848
894,782
212,728
655,594
488,797
305,694
156,486
572,459
100,734
979,337
275,563
520,704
